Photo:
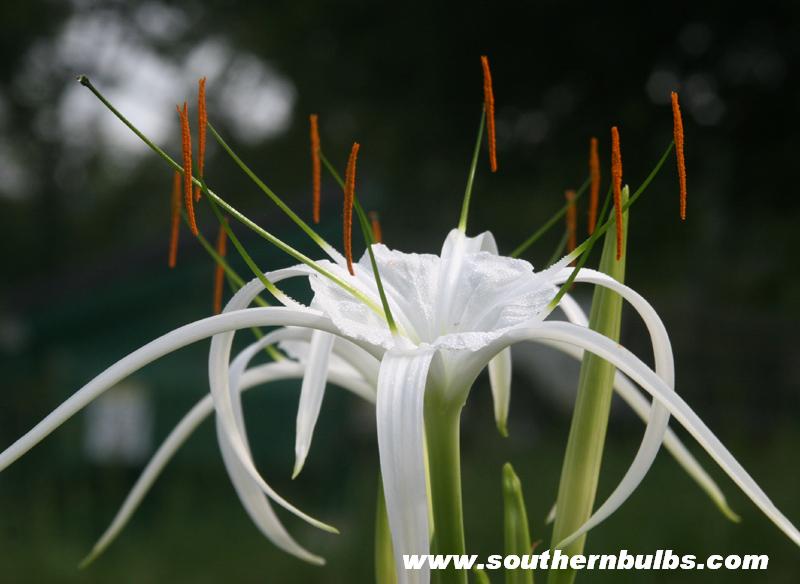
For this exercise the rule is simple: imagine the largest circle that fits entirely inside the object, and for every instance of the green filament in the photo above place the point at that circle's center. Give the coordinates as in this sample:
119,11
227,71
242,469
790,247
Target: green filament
462,222
234,212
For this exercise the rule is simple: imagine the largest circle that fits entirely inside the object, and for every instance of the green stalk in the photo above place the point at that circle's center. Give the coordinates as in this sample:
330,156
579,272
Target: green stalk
385,569
462,222
581,470
517,533
442,425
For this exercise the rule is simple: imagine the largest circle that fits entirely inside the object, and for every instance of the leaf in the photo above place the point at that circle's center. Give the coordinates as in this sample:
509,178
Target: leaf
517,535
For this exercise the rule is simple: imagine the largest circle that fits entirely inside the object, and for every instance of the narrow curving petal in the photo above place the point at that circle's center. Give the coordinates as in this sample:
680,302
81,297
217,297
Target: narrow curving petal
163,455
249,492
226,409
500,382
218,372
189,423
658,418
345,355
634,398
168,343
631,366
400,407
311,394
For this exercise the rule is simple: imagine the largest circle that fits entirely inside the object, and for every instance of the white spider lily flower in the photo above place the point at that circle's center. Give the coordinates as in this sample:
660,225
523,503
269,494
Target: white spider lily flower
456,313
355,370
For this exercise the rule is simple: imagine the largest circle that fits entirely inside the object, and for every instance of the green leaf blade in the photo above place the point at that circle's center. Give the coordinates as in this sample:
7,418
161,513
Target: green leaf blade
516,531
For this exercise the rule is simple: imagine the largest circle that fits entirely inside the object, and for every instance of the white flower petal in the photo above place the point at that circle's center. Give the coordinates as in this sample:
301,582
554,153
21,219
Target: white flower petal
226,408
248,491
500,367
633,397
629,364
345,355
659,415
172,341
400,407
500,382
460,302
252,377
311,394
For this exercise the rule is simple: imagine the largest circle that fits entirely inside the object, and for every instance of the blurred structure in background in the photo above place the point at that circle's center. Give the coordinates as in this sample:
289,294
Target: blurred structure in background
119,427
84,213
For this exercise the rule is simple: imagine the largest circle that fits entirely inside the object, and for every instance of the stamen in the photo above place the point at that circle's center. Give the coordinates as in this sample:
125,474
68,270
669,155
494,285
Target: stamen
219,270
316,172
616,177
349,195
187,166
202,121
572,221
176,219
214,197
375,223
488,102
677,128
594,193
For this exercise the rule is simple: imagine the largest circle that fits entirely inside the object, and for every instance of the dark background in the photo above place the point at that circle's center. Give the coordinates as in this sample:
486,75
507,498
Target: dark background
84,216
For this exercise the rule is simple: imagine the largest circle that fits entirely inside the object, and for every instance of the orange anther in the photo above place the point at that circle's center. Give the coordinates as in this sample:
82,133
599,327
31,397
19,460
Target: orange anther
375,223
594,188
202,122
187,166
488,103
219,271
175,219
616,177
677,129
316,172
349,196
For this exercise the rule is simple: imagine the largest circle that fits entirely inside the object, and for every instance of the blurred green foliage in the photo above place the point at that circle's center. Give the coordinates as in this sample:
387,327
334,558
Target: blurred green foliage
85,280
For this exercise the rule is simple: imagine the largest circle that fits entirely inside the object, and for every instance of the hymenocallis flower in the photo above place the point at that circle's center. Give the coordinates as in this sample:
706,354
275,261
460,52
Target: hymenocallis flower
411,333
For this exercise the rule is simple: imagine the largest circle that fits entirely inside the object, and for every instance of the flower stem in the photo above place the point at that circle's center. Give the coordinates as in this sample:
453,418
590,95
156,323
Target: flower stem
384,557
581,469
442,425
